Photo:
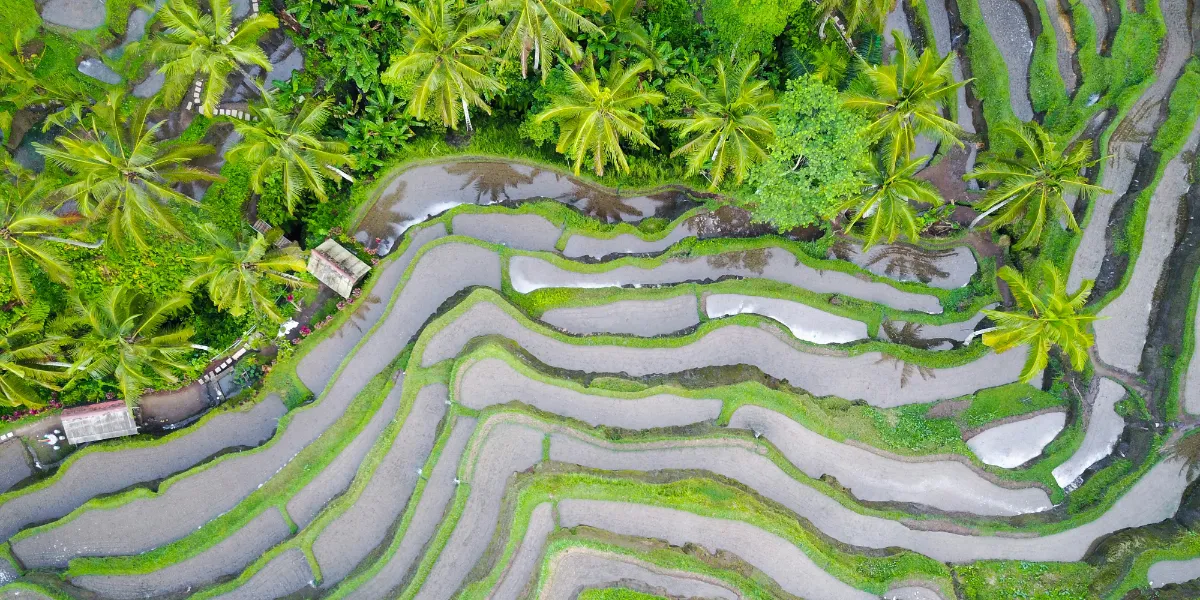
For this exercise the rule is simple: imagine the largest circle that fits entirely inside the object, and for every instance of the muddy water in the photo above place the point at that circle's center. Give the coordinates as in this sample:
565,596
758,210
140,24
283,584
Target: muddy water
1103,429
805,322
1014,444
421,192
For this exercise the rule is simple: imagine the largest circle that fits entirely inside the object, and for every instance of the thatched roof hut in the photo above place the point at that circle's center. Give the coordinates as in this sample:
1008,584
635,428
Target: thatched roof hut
336,267
98,422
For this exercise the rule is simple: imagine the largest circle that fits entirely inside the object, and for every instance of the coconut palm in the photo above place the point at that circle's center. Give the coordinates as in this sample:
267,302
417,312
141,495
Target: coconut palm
241,275
19,89
122,334
447,54
1032,183
597,114
541,27
628,30
26,363
886,201
290,146
1047,317
207,46
873,12
730,125
26,229
904,99
121,172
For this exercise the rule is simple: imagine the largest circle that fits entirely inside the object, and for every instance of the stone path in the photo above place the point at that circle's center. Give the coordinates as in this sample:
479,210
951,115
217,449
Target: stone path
1011,445
576,569
76,14
530,273
645,318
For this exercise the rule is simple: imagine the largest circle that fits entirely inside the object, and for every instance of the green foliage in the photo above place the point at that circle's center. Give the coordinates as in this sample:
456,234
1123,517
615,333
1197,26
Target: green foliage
1021,580
1183,109
745,27
818,145
18,17
616,594
886,202
1047,90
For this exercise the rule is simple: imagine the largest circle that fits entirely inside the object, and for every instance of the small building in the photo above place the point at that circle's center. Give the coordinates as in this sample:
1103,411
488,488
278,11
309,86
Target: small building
98,422
336,267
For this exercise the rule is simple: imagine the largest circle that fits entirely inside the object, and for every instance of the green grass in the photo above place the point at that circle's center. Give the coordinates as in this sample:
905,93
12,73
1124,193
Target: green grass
989,70
1020,579
617,594
1047,90
18,16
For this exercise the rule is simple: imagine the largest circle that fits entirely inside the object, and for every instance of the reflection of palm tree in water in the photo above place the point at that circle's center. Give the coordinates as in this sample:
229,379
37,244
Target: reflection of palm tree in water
602,204
754,261
491,180
908,335
900,261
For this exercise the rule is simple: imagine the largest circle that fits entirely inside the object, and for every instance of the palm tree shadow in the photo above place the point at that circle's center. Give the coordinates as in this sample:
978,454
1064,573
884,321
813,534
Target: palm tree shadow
755,260
602,204
903,262
494,181
909,335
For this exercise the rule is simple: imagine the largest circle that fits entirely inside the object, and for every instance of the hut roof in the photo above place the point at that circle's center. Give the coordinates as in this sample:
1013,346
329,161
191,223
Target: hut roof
98,422
336,267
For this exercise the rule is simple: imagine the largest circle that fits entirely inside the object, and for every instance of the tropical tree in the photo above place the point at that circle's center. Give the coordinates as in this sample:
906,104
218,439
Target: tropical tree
730,125
121,172
597,113
447,55
1047,317
26,229
290,147
207,45
873,12
904,99
886,201
242,275
122,334
26,362
542,27
19,89
1032,184
628,30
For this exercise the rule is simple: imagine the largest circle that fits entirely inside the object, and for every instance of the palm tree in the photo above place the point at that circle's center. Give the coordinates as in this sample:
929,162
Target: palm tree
19,89
207,45
730,126
122,172
886,201
627,30
240,274
25,233
447,53
25,362
1048,317
121,334
290,146
874,12
904,99
1032,183
542,27
596,114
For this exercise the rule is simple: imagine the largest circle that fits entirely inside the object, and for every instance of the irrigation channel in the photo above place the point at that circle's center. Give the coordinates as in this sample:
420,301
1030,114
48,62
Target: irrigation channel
549,386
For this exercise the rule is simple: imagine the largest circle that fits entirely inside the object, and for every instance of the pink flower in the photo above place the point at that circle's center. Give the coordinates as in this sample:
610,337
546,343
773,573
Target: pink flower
374,260
291,298
295,341
305,330
341,304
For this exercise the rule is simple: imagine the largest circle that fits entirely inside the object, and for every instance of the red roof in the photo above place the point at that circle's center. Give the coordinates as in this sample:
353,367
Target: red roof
80,411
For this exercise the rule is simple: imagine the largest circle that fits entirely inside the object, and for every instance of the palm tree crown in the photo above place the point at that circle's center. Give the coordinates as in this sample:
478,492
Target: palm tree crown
886,201
291,147
120,334
197,44
1048,317
1032,184
730,126
542,27
597,113
904,99
239,274
25,352
122,172
25,229
447,54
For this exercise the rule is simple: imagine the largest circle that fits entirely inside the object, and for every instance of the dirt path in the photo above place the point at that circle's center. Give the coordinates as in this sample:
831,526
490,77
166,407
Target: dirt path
530,273
577,569
868,377
1121,331
362,527
942,484
771,554
492,381
644,318
104,472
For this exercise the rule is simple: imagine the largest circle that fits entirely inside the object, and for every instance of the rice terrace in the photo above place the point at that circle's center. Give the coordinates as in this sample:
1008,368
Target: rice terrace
600,299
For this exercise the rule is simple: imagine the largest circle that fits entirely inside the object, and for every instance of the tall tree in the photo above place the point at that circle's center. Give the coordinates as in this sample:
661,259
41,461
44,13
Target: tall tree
447,54
886,201
1047,317
597,113
904,99
26,362
730,125
290,146
1032,184
243,275
122,335
121,172
207,45
812,168
542,27
26,229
